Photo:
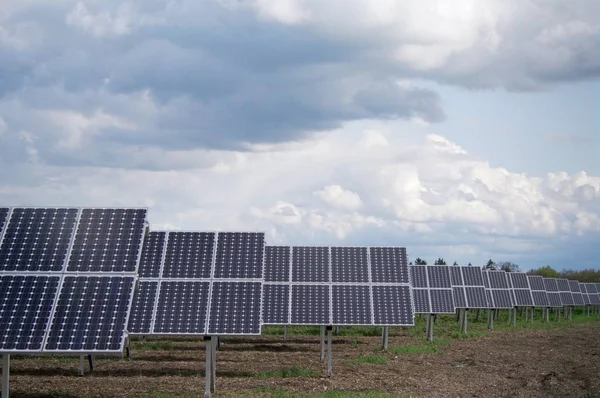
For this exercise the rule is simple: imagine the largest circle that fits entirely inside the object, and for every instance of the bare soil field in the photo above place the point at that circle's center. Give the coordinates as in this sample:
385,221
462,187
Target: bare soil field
556,362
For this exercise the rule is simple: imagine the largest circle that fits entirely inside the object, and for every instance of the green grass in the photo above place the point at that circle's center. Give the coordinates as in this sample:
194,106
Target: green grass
295,371
370,359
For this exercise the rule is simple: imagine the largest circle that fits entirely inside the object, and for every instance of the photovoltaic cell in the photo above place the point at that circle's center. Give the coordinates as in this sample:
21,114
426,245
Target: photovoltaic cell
519,280
389,265
3,217
310,305
108,240
25,306
460,300
523,298
576,292
537,282
472,276
349,264
90,314
152,253
439,276
239,255
586,297
540,299
37,239
421,300
442,301
456,276
310,264
181,307
351,305
235,308
418,275
142,309
476,296
189,255
277,263
276,300
502,298
392,306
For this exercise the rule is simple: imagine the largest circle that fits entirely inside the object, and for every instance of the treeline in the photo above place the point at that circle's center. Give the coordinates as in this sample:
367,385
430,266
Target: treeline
586,275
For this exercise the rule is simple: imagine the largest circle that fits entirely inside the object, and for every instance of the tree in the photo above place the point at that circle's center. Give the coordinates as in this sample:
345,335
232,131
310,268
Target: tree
455,263
546,271
508,266
470,264
440,261
419,261
490,265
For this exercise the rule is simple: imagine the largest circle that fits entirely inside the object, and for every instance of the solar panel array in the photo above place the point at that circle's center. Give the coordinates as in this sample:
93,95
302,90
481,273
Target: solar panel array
199,283
566,297
552,292
500,294
310,285
468,287
67,277
576,292
538,291
432,289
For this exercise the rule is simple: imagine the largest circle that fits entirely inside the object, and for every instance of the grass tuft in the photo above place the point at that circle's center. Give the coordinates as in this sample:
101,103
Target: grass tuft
415,349
295,371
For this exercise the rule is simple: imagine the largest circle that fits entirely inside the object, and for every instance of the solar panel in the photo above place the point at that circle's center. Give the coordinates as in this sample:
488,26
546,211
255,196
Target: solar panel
439,276
189,255
349,264
239,255
592,293
502,298
277,263
498,293
392,306
351,305
565,292
235,307
90,314
523,298
472,276
554,298
460,298
521,291
310,305
276,303
3,217
418,275
519,280
25,306
476,297
576,292
584,294
37,239
536,282
442,301
142,309
456,276
421,301
389,265
182,307
152,255
310,264
108,240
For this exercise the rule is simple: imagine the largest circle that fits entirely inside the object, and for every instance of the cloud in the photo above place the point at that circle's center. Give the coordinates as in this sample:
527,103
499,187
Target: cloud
426,193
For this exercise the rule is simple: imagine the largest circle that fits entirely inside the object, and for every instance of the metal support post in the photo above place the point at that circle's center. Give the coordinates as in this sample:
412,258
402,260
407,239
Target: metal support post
337,330
81,368
461,314
285,333
509,316
207,367
329,333
322,343
5,375
384,338
465,321
430,327
491,320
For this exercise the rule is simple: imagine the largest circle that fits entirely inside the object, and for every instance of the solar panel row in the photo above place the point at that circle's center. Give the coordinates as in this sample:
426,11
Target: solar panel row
468,287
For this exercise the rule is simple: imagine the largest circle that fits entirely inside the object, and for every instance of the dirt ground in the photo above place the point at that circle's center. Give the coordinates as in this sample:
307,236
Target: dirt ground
563,362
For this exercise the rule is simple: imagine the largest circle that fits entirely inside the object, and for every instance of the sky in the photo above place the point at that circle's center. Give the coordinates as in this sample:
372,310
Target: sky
464,130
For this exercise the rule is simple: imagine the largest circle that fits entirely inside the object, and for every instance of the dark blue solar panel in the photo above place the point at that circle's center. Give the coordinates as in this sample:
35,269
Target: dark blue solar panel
349,264
551,285
442,301
37,239
310,305
563,285
501,298
389,265
460,300
25,306
536,282
567,298
310,264
421,301
472,276
476,297
540,299
142,309
152,254
276,302
239,255
181,307
523,298
392,306
235,308
351,305
439,276
91,314
418,274
519,280
189,255
576,292
3,217
277,263
108,240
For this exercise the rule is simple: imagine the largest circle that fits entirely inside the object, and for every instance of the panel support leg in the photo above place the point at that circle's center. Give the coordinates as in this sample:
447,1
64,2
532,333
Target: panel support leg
465,321
91,362
213,366
207,367
491,320
128,347
322,343
384,338
5,375
329,333
285,333
81,368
